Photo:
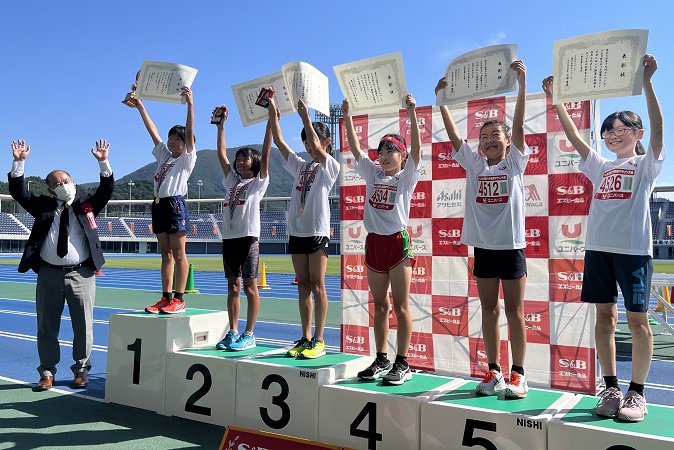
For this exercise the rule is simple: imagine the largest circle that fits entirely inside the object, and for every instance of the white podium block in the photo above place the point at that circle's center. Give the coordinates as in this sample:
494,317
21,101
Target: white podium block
367,415
137,347
460,419
577,427
201,383
280,394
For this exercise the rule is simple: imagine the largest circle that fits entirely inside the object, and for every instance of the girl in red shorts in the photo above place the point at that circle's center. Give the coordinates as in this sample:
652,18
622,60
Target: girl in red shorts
388,256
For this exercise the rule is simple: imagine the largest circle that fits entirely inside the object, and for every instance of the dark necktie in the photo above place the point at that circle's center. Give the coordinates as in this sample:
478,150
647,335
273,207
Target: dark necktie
64,227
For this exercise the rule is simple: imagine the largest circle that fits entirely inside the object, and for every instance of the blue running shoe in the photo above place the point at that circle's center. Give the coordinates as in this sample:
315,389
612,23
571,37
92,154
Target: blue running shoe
246,341
230,337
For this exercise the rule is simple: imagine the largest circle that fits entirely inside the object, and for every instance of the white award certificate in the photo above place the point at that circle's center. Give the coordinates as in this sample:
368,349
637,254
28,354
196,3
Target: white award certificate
600,65
163,82
478,74
296,80
374,84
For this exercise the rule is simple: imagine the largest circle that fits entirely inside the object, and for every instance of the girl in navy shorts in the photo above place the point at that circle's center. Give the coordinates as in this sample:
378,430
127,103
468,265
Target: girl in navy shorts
494,225
245,186
309,223
619,242
388,256
170,217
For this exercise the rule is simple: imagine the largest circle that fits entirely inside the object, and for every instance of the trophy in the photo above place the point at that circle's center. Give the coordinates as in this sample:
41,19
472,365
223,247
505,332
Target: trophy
130,99
220,114
263,97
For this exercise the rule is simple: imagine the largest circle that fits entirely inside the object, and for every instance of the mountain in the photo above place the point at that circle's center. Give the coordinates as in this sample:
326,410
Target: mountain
208,170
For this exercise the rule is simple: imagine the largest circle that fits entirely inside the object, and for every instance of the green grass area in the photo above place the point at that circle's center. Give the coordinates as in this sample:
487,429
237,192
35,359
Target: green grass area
273,264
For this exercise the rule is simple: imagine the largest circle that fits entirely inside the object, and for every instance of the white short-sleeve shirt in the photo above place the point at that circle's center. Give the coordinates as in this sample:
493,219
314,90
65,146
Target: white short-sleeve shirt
314,217
494,215
171,177
387,198
620,216
244,219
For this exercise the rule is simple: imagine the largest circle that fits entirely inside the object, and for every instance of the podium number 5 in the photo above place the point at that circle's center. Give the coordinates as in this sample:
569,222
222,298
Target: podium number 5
471,441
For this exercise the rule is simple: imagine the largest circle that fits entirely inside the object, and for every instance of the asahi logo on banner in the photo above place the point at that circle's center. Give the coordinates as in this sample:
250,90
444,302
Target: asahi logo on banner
446,199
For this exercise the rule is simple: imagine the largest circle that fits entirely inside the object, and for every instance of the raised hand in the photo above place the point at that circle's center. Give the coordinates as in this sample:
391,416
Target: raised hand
650,66
345,108
101,150
410,103
521,70
442,84
547,85
187,93
19,150
302,109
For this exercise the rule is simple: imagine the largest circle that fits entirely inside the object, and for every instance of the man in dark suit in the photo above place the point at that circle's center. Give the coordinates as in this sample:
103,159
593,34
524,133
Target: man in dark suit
64,250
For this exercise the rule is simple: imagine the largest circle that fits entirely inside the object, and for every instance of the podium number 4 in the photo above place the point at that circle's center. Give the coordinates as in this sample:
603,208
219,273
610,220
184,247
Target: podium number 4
370,409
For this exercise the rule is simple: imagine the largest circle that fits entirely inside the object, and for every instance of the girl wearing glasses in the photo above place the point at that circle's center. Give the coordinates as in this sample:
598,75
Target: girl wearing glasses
616,254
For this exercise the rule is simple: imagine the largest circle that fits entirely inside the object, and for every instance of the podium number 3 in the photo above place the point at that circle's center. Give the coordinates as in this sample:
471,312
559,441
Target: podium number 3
277,400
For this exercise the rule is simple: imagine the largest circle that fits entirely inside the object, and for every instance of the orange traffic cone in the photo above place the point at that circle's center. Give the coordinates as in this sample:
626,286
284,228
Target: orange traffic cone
296,280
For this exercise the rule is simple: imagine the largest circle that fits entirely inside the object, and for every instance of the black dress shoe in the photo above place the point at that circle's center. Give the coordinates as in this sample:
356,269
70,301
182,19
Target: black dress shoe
45,383
81,380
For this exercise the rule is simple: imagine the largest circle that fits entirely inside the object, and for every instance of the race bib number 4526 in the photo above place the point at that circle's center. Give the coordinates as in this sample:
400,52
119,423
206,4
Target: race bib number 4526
616,184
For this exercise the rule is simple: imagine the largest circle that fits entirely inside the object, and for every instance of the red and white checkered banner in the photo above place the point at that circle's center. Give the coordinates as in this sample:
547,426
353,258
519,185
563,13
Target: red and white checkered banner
447,334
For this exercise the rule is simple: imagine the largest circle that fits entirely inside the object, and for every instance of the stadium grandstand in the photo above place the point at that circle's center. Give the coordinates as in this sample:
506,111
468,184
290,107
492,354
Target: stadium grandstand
131,230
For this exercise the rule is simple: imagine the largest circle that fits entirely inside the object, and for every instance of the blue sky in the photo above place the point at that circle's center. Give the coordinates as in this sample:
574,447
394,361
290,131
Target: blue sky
68,65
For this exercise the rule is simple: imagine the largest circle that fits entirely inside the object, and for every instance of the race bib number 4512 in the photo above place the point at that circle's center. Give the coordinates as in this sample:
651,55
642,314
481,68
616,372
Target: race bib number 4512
492,189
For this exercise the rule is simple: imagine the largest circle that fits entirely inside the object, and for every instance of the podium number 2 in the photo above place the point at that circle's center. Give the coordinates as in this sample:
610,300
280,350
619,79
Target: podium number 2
471,441
370,409
135,348
277,400
191,405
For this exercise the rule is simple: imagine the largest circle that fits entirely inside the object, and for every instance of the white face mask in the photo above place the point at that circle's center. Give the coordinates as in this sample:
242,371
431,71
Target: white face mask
65,192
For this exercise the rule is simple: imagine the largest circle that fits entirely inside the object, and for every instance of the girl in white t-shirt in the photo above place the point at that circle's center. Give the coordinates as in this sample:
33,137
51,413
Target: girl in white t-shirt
494,225
619,241
245,187
170,216
309,223
388,254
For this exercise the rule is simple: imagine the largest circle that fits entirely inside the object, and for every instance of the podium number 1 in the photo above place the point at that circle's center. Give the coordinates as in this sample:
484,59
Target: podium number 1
135,348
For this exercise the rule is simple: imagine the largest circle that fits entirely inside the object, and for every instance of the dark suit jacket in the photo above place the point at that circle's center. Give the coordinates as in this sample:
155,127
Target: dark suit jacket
43,209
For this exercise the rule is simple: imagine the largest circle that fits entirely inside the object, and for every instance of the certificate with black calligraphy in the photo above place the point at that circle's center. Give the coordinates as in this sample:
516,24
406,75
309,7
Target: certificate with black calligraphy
163,81
305,82
478,74
246,95
374,84
600,65
295,80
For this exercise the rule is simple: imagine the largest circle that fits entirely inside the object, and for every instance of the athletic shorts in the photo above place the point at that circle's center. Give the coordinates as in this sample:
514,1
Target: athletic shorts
384,252
240,257
605,271
501,264
307,245
170,215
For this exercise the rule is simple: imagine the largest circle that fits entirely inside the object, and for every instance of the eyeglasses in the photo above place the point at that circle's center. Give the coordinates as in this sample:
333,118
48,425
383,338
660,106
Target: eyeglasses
617,132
